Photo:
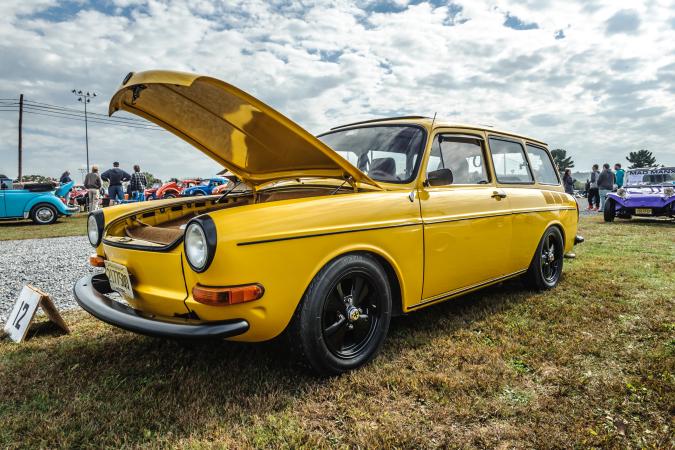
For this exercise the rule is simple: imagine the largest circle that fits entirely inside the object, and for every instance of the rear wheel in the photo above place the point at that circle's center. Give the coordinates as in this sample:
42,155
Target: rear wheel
169,195
547,264
199,193
343,317
609,212
43,214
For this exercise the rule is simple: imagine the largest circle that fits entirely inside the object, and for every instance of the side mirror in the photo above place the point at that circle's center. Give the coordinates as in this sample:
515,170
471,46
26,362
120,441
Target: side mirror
440,177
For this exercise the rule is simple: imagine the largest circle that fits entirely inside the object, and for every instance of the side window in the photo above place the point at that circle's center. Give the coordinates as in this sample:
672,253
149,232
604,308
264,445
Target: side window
541,165
508,158
462,155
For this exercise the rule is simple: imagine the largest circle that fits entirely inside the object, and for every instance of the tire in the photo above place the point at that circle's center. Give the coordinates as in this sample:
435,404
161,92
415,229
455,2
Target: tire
343,317
169,195
609,212
198,194
547,264
43,214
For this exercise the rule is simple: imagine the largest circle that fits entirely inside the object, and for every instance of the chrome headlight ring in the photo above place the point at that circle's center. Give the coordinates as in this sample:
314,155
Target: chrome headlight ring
95,227
199,243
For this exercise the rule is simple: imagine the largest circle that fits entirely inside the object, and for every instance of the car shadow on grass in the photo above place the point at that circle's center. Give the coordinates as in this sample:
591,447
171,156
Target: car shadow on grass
104,385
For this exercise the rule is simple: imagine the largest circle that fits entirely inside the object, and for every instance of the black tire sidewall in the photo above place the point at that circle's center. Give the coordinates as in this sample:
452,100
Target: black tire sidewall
36,208
310,331
535,275
609,212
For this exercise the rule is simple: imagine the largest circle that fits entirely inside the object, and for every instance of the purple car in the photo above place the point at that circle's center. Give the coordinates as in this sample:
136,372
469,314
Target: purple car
647,193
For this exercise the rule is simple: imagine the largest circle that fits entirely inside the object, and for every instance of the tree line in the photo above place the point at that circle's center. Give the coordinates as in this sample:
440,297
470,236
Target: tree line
639,159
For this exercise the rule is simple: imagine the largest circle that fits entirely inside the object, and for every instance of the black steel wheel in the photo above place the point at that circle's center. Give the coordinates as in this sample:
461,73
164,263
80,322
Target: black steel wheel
344,315
43,214
547,264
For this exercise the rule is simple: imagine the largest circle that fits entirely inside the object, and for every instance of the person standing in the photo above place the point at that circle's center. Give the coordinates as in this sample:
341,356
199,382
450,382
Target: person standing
619,175
605,184
65,178
593,194
568,181
115,177
138,184
92,182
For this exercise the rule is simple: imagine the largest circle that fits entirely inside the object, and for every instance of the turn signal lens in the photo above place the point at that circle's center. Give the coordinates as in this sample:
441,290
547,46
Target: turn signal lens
96,261
222,296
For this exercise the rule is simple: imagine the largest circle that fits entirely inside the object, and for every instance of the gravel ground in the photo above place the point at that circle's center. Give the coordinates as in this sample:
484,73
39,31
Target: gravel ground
52,264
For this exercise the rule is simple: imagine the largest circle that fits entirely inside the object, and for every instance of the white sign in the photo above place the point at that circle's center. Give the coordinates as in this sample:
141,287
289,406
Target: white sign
24,310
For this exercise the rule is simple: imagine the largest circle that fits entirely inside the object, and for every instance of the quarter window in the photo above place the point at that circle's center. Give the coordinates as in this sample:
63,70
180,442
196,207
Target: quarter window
509,161
462,155
542,166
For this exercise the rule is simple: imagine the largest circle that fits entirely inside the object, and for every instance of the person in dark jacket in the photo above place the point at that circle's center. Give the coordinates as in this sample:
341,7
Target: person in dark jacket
115,177
605,184
593,194
65,178
568,182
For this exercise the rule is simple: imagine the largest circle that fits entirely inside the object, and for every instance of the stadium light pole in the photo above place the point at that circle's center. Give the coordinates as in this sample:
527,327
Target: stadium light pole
85,97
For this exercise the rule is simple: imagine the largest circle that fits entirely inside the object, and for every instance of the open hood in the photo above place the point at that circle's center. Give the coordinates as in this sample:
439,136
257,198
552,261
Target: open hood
244,135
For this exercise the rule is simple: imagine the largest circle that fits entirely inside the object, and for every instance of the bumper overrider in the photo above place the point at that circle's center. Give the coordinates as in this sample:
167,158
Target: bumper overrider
90,293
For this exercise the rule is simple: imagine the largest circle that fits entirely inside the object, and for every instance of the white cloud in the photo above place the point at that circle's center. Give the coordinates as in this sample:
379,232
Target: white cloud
599,95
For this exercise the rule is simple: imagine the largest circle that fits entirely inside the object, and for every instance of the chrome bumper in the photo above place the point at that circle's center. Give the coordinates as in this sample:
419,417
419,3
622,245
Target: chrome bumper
90,293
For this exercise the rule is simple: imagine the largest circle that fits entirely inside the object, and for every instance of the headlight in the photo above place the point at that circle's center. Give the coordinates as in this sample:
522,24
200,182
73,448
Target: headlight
669,192
95,228
200,243
621,192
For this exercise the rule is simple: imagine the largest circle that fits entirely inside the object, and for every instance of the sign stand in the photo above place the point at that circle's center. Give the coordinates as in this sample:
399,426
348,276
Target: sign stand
24,311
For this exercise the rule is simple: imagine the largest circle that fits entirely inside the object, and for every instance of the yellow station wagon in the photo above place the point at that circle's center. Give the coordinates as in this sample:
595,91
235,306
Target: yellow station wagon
334,234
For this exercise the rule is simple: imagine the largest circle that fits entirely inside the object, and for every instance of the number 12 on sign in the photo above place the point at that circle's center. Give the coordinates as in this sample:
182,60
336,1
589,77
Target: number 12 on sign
22,314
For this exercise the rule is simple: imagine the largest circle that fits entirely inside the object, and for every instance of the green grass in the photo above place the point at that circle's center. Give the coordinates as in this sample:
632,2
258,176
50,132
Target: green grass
589,364
75,225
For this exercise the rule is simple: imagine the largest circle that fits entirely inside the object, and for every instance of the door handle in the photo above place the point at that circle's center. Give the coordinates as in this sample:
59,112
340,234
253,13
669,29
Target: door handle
498,194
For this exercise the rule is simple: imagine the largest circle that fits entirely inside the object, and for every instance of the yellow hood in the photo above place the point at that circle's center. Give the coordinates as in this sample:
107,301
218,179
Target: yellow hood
246,136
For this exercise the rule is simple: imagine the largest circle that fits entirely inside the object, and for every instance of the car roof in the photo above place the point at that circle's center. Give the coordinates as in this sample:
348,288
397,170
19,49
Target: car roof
428,122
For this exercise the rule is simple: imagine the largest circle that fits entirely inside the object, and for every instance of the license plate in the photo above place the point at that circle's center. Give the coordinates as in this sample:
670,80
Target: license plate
643,210
118,276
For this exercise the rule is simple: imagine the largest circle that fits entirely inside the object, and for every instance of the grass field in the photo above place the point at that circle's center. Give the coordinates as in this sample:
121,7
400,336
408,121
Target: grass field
26,229
589,364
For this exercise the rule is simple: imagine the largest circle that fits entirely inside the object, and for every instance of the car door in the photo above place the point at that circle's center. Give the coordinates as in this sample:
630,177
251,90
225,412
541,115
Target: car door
467,223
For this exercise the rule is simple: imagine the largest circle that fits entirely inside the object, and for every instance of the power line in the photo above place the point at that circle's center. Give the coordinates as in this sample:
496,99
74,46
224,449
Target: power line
62,108
94,121
80,115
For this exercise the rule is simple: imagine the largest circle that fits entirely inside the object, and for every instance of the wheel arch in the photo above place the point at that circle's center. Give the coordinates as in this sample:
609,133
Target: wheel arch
387,262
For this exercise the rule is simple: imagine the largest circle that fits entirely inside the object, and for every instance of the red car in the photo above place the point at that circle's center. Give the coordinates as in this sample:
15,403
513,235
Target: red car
174,188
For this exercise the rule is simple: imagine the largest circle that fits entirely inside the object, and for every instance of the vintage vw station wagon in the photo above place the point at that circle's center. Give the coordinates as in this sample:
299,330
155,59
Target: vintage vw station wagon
334,235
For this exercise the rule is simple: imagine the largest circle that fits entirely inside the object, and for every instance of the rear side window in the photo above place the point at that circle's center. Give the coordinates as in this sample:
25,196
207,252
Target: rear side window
508,158
541,165
462,155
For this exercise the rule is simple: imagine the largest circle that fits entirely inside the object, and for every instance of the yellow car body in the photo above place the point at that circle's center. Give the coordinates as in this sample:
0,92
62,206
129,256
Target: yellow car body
435,242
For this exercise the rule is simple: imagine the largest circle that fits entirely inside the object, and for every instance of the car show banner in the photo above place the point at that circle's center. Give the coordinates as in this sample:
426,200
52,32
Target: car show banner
24,311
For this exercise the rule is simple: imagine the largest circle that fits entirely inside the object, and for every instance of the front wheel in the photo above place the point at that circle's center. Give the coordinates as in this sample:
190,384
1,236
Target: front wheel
547,264
343,317
609,212
43,214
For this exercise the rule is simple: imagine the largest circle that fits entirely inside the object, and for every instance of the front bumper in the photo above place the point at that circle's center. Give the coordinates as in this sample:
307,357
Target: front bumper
90,295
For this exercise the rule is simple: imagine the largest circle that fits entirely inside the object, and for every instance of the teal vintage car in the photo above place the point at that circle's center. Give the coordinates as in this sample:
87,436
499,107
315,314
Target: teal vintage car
41,202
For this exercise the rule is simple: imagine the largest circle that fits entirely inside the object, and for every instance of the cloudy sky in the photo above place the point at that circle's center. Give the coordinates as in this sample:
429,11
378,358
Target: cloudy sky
594,77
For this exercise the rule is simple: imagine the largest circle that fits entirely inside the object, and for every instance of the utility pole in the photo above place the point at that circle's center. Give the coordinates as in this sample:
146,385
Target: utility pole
20,136
85,97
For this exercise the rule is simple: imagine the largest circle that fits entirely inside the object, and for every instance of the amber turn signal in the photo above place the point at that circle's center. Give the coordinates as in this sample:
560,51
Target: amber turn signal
221,296
96,261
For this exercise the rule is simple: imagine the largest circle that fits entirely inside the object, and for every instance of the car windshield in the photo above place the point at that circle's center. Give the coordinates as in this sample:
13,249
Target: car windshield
650,177
389,153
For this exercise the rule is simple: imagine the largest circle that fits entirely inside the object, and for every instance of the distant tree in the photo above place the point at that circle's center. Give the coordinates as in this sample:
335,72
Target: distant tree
36,179
151,178
641,158
561,160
